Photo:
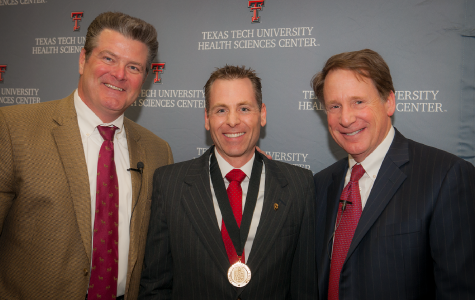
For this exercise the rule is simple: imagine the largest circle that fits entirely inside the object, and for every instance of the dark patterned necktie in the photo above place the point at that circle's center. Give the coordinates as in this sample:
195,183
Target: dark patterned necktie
235,177
346,228
105,255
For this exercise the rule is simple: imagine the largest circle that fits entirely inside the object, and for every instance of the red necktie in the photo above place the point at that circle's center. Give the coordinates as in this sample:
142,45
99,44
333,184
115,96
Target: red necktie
346,228
105,255
235,177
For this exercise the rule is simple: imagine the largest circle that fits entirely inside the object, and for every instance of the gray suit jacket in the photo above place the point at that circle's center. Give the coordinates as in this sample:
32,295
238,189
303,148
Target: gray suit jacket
45,202
185,256
416,236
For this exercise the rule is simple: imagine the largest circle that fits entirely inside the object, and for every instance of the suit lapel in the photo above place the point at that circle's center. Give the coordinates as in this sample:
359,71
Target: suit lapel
139,191
68,141
271,221
197,202
389,180
333,200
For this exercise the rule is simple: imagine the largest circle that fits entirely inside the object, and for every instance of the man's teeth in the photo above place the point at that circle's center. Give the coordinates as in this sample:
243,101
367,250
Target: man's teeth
353,133
233,135
113,87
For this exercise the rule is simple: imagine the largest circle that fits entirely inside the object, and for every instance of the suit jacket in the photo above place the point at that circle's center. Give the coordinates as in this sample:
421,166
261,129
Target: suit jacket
416,236
45,202
185,256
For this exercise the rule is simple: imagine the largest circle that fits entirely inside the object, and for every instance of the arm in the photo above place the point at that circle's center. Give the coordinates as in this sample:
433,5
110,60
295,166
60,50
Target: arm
7,193
157,274
304,273
452,234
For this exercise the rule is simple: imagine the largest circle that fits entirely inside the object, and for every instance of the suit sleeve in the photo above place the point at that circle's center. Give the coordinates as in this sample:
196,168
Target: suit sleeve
7,193
157,275
304,274
452,234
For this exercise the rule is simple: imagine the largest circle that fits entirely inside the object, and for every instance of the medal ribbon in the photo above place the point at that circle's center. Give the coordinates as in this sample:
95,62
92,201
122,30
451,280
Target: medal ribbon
238,235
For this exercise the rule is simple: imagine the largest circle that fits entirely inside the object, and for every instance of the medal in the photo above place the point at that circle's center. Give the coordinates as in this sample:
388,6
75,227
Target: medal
239,274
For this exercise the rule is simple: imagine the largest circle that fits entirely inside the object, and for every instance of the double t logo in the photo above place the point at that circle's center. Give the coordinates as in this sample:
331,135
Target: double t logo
76,16
158,68
256,5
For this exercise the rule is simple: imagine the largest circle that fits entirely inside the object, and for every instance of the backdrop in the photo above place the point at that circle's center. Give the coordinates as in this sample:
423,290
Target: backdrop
429,46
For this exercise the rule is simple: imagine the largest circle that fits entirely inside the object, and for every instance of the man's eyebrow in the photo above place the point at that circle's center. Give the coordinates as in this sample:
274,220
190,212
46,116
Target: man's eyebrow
115,56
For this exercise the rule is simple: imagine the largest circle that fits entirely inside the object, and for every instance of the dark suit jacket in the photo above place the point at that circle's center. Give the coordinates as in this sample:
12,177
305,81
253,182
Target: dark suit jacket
185,256
45,202
416,235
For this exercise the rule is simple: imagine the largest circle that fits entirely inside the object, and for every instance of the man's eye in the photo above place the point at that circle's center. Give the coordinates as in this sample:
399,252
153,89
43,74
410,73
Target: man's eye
135,69
244,109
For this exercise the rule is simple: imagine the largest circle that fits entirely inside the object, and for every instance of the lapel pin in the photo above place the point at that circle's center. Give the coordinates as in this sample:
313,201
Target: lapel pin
276,206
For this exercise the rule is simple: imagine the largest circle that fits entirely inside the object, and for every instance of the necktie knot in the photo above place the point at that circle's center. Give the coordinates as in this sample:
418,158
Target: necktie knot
236,175
357,172
107,132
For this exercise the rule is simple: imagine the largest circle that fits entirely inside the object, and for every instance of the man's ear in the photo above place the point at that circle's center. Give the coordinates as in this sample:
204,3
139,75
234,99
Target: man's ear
82,61
390,104
207,120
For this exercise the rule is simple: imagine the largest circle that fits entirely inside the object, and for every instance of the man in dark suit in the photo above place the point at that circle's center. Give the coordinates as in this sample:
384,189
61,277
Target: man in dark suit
395,220
202,236
50,204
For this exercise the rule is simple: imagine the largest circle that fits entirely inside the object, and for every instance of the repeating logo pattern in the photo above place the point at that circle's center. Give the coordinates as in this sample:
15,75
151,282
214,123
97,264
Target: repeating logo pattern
158,68
3,68
255,6
76,16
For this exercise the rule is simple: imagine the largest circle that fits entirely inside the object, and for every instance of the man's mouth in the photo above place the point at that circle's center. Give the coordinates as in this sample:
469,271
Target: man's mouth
355,132
113,87
233,135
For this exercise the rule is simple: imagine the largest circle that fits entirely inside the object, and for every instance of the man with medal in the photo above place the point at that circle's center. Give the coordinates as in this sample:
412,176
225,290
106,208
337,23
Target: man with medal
231,224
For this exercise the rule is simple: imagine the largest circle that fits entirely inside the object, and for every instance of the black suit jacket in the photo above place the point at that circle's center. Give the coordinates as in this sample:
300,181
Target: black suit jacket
185,256
416,235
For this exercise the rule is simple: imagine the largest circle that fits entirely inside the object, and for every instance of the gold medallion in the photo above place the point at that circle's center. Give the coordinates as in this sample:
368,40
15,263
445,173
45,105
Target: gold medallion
239,274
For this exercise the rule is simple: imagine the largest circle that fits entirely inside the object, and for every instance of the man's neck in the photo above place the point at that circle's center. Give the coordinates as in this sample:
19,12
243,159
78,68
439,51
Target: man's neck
236,162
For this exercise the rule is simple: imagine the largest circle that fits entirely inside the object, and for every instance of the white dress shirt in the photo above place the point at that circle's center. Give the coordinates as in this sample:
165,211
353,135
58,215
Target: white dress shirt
371,165
225,168
92,142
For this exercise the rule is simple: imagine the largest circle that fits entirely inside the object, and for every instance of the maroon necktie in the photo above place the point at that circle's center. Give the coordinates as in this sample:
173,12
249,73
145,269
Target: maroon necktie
235,177
346,226
105,255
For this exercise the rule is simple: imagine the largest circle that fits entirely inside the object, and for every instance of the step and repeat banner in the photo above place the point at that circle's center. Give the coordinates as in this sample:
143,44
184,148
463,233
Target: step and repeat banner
428,45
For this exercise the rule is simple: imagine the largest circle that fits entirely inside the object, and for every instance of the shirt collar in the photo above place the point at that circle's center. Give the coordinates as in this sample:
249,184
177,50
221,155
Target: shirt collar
225,167
373,162
88,120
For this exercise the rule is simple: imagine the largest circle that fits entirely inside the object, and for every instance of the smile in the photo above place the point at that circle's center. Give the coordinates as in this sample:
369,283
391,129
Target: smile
353,133
113,87
234,135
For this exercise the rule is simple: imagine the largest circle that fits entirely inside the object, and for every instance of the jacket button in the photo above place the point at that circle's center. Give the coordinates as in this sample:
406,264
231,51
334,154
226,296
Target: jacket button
86,272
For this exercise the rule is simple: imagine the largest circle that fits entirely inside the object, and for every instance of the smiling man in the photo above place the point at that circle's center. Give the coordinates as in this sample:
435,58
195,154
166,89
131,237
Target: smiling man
76,176
395,218
231,224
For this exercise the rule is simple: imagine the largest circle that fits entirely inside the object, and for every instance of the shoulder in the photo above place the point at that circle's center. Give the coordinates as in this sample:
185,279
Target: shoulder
146,136
337,167
287,168
433,158
288,174
31,112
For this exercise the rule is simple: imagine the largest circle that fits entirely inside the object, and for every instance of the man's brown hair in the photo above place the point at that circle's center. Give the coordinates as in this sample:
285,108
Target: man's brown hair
234,72
366,63
130,27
